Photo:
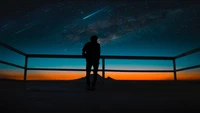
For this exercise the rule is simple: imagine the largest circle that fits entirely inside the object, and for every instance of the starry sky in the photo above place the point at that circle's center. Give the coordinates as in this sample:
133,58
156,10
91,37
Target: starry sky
131,28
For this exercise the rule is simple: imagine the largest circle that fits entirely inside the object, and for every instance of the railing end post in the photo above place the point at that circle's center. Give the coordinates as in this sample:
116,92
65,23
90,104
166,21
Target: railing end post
25,67
103,68
174,66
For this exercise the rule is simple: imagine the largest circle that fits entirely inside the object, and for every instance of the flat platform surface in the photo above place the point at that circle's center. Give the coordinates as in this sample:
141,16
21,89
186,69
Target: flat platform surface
109,97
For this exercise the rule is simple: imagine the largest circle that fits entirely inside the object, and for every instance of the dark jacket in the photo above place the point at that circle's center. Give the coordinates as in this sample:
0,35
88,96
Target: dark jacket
91,51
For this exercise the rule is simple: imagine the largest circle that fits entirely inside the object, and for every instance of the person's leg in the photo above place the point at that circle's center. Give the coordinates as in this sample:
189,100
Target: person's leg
88,70
95,72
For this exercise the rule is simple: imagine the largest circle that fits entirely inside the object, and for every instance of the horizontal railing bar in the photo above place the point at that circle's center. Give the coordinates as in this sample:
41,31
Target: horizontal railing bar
53,56
55,69
12,48
108,70
139,57
106,57
11,64
187,68
188,53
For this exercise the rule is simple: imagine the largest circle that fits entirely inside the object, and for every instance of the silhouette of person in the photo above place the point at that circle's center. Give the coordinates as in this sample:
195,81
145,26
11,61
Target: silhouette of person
91,51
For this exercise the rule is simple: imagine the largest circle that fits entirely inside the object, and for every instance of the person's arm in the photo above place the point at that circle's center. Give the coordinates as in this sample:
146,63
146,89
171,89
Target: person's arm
84,50
99,51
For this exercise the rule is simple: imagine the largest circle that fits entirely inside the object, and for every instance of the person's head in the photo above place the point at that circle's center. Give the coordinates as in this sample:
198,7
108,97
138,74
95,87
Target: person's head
94,38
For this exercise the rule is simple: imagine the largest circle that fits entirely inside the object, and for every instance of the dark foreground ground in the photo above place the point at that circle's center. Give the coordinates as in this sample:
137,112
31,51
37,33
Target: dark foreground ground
109,97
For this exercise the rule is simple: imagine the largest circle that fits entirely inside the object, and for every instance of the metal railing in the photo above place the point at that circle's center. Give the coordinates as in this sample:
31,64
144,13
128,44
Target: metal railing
27,56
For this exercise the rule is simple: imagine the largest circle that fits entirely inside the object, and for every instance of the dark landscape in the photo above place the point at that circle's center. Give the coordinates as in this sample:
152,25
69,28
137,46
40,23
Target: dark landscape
110,96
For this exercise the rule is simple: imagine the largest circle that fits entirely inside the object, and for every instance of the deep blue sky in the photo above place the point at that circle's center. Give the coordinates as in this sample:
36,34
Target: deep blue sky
144,28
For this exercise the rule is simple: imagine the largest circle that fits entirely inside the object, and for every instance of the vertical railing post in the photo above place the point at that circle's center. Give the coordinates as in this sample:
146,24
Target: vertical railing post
25,67
174,65
103,68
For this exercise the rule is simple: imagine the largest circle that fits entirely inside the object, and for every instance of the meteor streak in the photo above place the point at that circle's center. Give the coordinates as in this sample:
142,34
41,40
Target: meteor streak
23,29
94,13
4,26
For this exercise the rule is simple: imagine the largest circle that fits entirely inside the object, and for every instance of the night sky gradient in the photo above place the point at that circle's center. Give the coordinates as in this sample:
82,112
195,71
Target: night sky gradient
130,28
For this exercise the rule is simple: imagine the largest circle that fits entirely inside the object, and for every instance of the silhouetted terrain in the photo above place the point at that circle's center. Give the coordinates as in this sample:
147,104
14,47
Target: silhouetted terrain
99,78
110,96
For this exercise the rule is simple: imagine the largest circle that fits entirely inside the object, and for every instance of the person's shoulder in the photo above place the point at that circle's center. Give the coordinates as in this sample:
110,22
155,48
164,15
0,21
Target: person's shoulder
87,43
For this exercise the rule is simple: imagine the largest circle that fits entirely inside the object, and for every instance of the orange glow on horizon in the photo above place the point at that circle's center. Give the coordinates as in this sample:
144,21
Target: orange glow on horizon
139,76
54,75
